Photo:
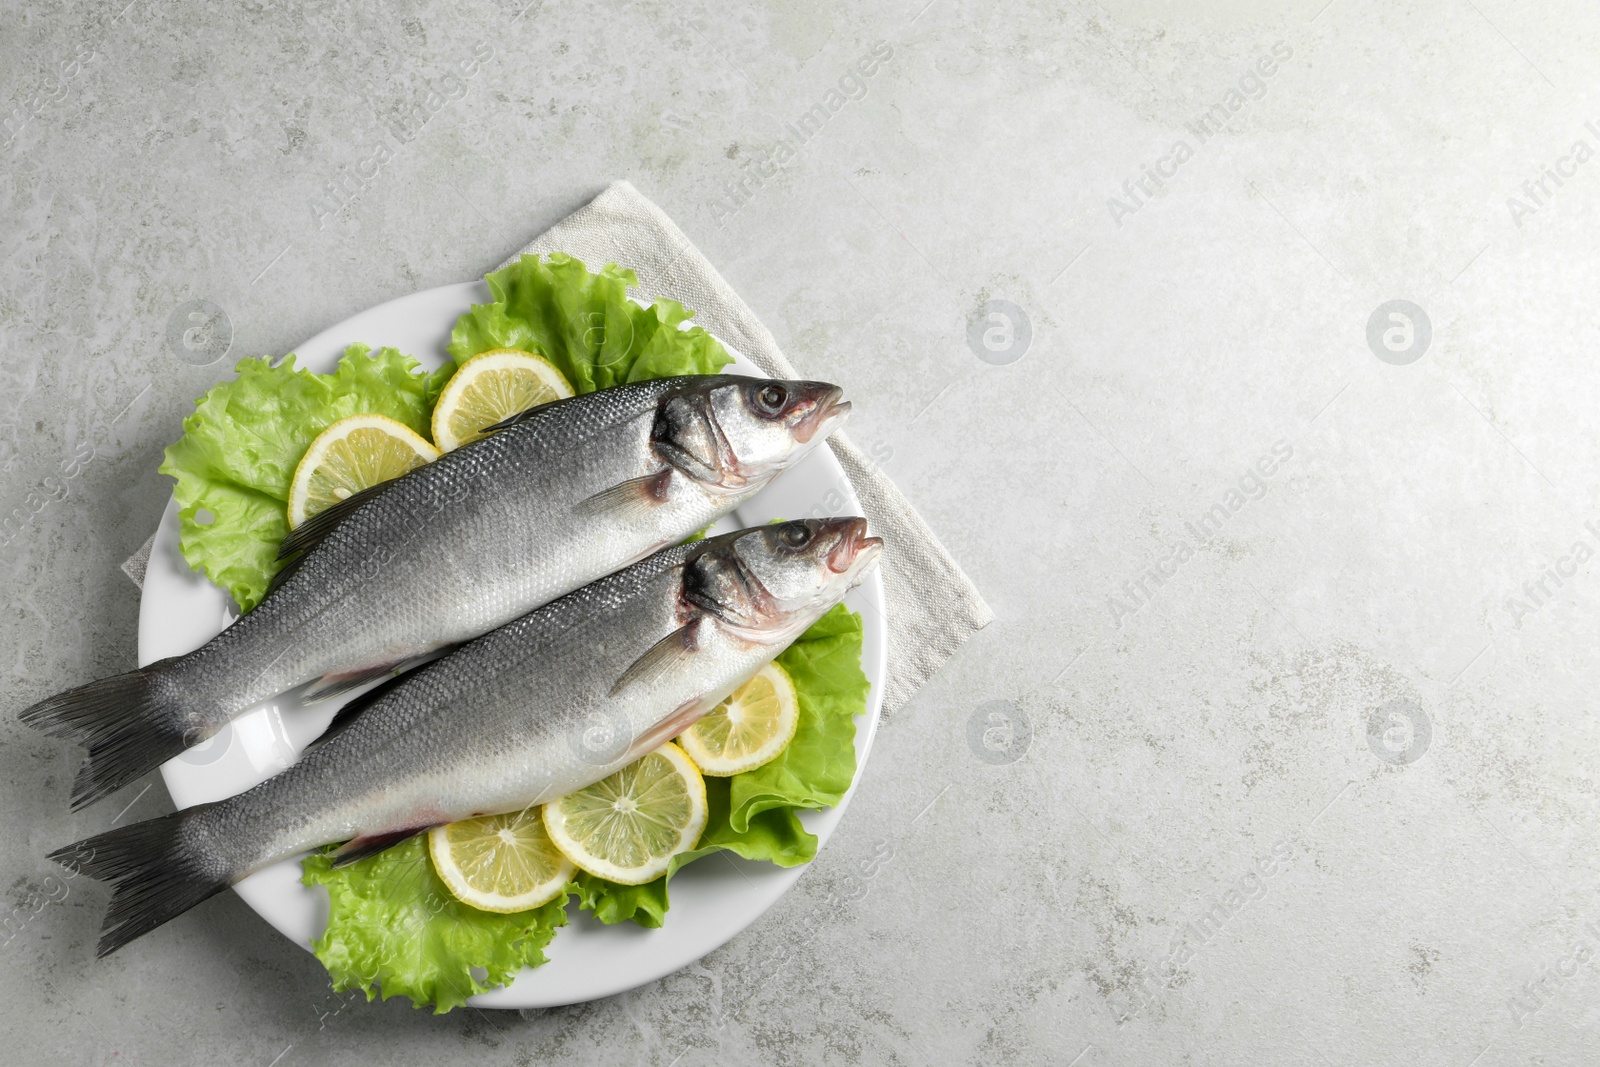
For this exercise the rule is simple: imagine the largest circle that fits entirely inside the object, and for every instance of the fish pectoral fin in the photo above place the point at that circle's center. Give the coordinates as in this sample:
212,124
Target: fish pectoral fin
331,685
630,500
359,848
681,718
318,526
667,653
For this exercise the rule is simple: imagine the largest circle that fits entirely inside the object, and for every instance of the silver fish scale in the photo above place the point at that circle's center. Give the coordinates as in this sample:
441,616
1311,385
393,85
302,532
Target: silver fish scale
497,726
454,549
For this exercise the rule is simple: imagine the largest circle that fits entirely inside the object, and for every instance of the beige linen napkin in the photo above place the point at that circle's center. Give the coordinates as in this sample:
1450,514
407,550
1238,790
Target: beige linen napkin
932,606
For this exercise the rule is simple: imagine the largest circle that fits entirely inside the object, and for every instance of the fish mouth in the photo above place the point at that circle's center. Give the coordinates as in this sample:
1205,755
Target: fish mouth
827,412
854,549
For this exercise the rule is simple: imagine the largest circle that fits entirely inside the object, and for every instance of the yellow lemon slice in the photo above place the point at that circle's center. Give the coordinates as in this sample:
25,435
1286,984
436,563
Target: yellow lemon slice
626,828
500,862
491,387
748,729
351,455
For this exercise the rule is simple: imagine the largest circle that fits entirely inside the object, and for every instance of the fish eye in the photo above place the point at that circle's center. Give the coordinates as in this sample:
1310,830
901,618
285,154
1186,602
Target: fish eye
771,398
796,535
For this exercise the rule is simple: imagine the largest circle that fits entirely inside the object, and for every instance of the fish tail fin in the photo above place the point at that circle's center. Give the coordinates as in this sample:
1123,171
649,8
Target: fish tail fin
158,869
126,722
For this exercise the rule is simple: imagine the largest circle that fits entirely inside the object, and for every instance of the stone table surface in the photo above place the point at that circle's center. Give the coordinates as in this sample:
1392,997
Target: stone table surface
1240,351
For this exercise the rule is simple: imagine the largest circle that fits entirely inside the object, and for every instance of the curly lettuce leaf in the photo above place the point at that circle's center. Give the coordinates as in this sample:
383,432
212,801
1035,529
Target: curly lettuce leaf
239,450
816,768
394,929
585,324
754,814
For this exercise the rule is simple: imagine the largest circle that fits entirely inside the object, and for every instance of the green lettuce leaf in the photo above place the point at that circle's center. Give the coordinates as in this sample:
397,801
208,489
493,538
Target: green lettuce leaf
754,814
816,768
394,927
240,447
585,324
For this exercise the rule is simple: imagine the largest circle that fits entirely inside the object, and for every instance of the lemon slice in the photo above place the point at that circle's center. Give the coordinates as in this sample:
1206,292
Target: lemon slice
748,729
353,454
491,387
626,828
500,862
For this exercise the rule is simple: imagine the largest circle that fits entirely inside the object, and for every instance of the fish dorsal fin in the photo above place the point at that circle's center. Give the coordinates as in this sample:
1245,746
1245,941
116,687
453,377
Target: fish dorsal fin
359,848
346,716
629,500
318,526
285,572
667,653
524,415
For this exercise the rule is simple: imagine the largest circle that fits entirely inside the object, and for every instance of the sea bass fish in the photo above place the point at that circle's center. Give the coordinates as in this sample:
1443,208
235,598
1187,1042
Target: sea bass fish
548,704
555,498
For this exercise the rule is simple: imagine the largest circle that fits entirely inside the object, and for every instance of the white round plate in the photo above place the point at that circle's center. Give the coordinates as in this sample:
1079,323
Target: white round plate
712,899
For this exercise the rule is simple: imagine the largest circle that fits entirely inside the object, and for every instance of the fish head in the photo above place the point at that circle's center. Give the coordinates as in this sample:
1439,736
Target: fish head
734,433
770,582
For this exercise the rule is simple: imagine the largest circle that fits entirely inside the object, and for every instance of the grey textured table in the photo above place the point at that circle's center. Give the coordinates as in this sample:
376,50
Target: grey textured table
1282,749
